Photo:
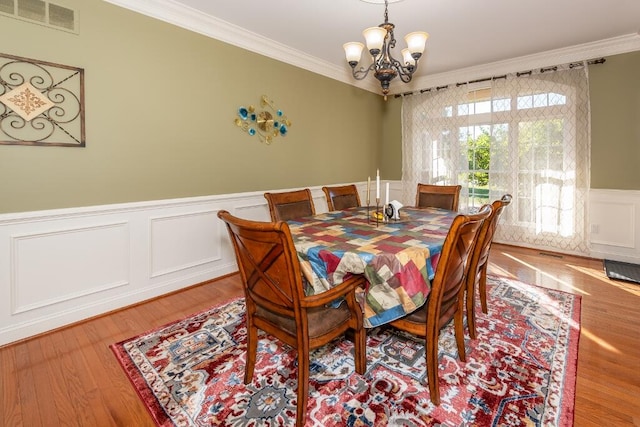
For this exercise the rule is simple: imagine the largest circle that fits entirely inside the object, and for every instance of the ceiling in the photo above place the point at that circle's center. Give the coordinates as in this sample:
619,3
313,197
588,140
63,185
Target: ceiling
464,34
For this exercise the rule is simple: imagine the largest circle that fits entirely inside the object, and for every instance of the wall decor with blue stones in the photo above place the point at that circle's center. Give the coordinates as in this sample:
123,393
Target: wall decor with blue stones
266,123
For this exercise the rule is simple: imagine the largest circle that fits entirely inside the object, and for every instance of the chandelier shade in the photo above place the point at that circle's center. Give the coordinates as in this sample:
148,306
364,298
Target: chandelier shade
416,41
353,50
375,38
380,41
406,56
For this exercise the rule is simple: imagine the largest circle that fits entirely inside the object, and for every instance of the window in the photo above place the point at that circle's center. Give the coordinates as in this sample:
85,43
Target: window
527,136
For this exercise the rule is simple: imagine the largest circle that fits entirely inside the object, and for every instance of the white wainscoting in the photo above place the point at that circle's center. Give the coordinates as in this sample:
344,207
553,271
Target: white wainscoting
615,225
62,266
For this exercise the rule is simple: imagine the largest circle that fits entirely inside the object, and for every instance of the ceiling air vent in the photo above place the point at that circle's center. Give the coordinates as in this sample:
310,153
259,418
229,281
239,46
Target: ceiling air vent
41,12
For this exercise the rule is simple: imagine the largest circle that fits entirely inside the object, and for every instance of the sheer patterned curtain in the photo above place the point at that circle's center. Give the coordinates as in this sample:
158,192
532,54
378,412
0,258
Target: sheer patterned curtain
527,135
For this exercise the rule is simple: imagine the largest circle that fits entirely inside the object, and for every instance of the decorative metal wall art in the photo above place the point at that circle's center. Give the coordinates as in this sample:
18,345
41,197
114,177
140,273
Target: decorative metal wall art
41,103
267,123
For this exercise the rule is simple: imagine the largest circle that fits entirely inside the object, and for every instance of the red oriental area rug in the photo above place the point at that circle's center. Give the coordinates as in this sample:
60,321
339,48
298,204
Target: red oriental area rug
521,371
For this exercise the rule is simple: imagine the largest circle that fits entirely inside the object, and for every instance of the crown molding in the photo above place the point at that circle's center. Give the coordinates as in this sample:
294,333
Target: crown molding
185,17
210,26
582,52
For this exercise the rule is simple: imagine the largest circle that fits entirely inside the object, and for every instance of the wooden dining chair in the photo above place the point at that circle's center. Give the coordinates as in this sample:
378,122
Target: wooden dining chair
290,204
446,298
276,302
342,197
438,196
477,277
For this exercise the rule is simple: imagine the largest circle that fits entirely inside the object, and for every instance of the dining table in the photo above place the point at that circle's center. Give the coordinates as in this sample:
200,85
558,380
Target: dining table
397,257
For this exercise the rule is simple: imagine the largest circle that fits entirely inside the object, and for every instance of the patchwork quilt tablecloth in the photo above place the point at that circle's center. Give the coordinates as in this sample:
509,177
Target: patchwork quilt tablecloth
398,258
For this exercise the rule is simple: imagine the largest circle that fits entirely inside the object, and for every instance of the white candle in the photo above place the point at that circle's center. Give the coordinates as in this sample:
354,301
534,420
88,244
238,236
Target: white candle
378,184
386,198
368,189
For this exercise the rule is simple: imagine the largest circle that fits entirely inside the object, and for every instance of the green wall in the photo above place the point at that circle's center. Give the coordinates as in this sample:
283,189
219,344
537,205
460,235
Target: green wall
160,108
391,144
615,122
161,100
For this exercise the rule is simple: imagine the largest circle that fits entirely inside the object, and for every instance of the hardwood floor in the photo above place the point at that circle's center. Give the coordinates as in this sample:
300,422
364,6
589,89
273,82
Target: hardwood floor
70,376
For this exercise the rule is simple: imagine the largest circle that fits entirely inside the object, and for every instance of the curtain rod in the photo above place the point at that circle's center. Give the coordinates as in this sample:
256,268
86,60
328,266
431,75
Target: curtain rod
504,76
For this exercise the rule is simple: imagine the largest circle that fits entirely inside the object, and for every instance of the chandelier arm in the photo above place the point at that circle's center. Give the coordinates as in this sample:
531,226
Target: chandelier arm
405,78
392,41
404,72
361,73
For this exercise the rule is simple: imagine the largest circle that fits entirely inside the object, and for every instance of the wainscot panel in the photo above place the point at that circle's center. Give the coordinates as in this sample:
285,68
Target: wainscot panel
62,266
615,225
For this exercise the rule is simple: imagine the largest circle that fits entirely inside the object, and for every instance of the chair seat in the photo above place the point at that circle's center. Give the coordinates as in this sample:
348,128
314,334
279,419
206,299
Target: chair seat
321,319
419,317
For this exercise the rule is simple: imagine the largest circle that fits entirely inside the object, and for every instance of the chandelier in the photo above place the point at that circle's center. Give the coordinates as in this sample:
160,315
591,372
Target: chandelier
380,40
